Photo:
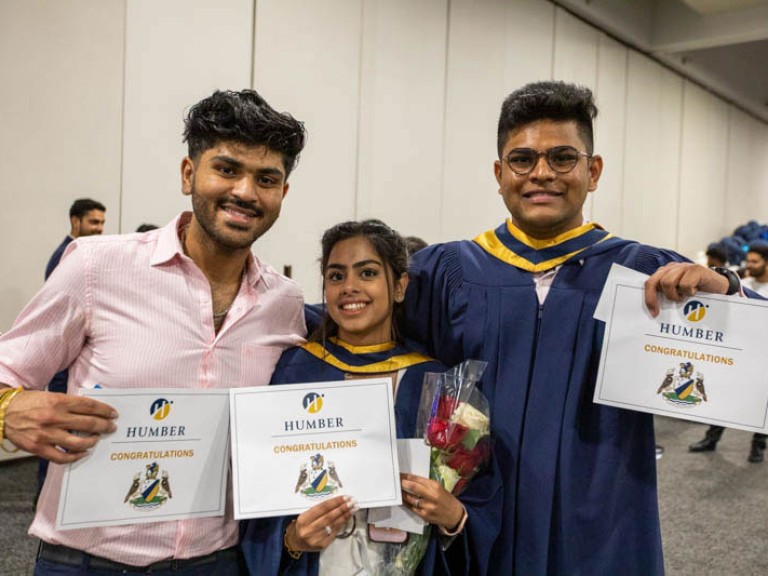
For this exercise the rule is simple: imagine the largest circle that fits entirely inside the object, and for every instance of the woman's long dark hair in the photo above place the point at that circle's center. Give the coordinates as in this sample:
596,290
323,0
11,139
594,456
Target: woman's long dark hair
388,245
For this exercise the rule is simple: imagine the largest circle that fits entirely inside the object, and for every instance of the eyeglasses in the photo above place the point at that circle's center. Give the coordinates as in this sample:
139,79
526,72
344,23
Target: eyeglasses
561,159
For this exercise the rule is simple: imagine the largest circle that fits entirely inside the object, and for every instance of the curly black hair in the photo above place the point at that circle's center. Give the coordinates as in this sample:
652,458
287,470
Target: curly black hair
246,118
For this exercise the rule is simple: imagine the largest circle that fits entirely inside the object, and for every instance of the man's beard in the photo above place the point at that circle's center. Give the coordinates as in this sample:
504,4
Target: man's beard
206,211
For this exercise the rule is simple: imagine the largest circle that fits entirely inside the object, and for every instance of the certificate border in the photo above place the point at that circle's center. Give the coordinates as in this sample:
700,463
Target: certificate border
240,514
668,412
126,521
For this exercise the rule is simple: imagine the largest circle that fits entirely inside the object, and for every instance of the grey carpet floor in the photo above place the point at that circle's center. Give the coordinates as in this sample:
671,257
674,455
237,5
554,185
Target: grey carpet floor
18,481
714,507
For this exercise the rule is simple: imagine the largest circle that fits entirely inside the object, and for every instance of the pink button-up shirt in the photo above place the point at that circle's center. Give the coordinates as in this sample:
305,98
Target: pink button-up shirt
132,311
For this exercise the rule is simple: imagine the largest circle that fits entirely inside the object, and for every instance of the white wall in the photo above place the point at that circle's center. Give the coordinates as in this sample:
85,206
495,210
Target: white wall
402,110
314,73
703,158
177,52
400,98
488,56
652,137
746,178
61,65
610,127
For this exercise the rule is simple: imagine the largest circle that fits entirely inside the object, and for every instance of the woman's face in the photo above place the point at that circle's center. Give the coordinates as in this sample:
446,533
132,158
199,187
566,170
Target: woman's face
360,292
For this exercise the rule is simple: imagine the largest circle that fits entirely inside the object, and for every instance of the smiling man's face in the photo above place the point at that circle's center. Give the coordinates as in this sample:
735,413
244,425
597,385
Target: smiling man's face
545,203
237,192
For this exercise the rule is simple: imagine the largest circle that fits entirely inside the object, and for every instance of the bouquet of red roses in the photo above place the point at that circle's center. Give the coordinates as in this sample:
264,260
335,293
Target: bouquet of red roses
454,419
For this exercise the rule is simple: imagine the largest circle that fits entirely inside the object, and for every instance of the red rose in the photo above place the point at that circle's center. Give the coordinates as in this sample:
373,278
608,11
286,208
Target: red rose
436,432
463,461
446,407
466,461
444,434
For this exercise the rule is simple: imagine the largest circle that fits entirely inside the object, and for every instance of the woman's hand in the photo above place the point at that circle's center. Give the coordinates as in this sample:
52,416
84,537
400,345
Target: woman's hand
316,528
430,501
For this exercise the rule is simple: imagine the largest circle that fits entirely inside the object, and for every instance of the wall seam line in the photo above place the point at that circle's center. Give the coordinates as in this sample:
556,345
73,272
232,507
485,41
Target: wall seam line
252,78
358,146
441,198
123,99
680,166
622,192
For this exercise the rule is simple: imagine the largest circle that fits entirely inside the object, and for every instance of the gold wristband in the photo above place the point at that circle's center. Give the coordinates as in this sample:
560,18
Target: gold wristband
5,400
292,552
459,527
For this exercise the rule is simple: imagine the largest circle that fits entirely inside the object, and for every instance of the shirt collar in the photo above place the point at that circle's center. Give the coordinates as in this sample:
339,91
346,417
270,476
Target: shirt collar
168,248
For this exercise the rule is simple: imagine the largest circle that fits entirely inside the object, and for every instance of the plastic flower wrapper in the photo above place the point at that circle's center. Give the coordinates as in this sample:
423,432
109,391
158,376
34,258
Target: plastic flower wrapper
454,419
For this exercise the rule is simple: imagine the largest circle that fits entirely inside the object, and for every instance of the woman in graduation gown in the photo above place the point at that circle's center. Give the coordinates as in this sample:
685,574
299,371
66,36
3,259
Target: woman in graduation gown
364,280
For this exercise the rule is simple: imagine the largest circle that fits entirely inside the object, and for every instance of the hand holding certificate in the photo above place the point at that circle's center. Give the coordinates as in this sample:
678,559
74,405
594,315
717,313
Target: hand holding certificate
700,359
678,281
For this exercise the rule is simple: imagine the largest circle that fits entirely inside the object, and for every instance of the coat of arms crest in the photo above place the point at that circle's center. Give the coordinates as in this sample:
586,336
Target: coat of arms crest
147,491
318,480
683,388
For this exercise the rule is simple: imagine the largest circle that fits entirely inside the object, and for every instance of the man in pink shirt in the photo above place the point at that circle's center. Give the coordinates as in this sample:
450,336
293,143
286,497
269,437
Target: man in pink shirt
184,306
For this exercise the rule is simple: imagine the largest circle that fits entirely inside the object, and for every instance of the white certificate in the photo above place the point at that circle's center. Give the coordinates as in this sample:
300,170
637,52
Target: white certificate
296,445
703,359
167,460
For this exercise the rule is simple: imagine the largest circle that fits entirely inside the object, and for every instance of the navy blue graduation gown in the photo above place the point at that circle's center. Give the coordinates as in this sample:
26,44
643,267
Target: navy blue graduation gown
579,478
262,539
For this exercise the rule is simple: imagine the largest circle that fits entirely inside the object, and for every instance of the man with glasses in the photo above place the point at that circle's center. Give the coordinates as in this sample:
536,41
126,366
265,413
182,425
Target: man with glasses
578,479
